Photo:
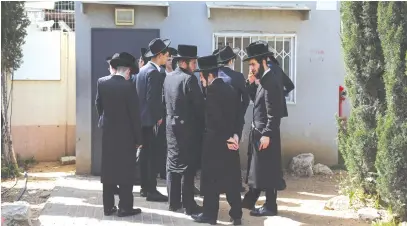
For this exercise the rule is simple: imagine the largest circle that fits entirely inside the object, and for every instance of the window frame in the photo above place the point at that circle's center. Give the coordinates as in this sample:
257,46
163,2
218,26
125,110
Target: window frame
292,99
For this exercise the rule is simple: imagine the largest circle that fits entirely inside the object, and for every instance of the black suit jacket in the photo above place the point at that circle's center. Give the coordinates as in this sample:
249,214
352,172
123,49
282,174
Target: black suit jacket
269,103
149,83
237,81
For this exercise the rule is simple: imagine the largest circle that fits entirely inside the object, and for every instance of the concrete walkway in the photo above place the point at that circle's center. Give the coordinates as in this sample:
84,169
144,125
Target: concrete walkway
78,201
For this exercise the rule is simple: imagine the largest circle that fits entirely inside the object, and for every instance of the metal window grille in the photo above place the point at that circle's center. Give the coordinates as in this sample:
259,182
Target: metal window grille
49,16
283,45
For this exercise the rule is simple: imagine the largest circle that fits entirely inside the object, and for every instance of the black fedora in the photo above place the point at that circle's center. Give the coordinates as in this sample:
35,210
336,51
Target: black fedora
271,50
227,53
257,50
123,59
157,46
206,63
187,52
216,51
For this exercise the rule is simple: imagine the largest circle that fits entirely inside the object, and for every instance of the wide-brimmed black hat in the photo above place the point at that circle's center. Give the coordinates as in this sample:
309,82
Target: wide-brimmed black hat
157,46
187,52
123,59
216,51
108,59
257,50
271,50
227,53
206,63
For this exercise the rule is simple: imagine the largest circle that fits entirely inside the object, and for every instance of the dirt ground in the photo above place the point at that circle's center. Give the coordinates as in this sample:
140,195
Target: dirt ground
302,203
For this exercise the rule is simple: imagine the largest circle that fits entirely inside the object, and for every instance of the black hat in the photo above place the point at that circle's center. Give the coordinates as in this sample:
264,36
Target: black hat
173,51
108,59
227,53
123,60
216,51
257,50
271,50
157,46
207,63
187,52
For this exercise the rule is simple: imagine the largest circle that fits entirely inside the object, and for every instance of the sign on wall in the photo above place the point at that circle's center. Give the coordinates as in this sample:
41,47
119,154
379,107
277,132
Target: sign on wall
41,56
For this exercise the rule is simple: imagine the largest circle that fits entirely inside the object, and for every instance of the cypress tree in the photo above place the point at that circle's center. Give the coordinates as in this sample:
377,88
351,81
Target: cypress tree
364,82
391,159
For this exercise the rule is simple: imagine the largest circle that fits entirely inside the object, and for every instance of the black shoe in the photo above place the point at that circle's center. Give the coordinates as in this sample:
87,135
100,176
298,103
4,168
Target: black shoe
200,218
236,221
126,213
262,212
156,196
281,185
196,191
143,193
110,211
195,210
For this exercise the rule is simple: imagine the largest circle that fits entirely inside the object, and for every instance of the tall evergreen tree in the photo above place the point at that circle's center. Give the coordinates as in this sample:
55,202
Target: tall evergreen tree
14,22
364,82
391,160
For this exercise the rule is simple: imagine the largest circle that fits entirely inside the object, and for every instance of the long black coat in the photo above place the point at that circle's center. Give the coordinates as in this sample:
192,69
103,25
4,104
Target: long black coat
220,166
118,109
285,82
185,120
238,82
264,167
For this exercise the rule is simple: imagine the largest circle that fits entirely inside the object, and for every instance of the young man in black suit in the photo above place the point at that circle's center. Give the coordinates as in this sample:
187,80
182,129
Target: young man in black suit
149,83
220,157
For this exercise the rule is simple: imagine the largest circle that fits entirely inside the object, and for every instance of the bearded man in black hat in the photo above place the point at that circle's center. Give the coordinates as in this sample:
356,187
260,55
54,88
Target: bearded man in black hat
149,83
220,158
264,157
118,110
185,124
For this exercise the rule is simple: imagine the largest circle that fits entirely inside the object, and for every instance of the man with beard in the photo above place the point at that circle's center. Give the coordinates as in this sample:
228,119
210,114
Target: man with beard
220,158
264,157
161,138
118,110
185,124
287,85
227,57
149,83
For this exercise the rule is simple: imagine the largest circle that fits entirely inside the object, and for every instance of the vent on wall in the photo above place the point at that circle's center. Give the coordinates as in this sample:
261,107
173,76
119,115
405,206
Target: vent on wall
124,16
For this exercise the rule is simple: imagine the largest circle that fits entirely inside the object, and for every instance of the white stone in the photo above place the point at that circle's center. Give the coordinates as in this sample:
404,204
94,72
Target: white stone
68,160
301,165
341,202
368,214
403,223
322,169
16,214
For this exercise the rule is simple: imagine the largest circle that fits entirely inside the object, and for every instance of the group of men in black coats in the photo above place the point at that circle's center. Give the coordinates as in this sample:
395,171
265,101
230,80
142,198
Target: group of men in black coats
162,110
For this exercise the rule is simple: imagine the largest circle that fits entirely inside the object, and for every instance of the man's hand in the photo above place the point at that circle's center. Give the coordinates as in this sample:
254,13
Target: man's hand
236,137
159,122
232,144
264,143
251,77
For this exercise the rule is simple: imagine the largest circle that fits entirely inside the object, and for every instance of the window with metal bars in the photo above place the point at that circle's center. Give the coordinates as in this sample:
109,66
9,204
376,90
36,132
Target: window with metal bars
283,45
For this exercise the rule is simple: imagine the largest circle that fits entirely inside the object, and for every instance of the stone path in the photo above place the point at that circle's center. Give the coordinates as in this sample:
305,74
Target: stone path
78,201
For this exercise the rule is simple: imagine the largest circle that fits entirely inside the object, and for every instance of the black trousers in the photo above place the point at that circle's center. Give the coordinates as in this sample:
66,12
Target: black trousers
211,204
125,196
253,195
178,184
147,161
